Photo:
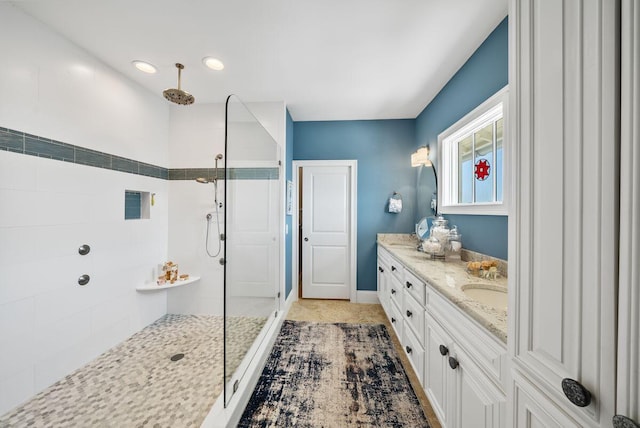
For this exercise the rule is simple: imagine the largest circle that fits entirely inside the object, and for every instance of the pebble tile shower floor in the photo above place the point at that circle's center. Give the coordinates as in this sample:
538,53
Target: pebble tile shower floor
136,383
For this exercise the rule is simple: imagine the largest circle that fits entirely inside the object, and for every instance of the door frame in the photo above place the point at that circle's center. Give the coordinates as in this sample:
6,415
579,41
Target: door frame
353,219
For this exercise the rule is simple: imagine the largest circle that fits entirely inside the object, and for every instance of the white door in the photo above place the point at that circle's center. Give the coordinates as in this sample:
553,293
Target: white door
563,239
252,237
326,232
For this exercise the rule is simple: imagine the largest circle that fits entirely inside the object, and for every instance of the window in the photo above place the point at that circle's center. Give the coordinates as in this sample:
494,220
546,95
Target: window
473,158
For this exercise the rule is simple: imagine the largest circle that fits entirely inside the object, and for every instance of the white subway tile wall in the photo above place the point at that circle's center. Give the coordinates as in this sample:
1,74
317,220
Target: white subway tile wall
50,323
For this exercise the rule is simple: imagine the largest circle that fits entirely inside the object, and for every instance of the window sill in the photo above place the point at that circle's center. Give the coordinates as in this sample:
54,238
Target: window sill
475,209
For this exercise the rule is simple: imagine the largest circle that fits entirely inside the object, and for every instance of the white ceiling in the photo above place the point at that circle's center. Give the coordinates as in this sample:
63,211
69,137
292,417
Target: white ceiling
327,59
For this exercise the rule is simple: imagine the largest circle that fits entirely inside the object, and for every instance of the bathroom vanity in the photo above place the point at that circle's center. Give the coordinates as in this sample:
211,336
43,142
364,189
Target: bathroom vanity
453,328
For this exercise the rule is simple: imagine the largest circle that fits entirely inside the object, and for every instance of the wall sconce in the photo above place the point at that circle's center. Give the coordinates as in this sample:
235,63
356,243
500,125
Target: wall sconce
421,157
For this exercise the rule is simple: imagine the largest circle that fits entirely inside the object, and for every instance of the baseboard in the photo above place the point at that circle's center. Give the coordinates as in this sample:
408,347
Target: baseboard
293,296
367,296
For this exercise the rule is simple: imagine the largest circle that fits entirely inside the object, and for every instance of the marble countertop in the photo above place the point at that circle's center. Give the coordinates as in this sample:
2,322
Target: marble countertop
448,276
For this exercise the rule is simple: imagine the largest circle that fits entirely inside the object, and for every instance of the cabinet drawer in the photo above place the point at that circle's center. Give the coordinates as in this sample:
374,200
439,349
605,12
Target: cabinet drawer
414,351
395,291
384,256
413,314
397,270
396,319
414,286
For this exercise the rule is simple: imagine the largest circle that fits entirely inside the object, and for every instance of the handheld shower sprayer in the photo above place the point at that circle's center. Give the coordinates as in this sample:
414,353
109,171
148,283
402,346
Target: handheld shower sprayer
217,206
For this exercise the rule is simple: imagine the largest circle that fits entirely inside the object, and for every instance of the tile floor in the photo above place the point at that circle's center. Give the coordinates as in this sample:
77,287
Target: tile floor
343,311
136,383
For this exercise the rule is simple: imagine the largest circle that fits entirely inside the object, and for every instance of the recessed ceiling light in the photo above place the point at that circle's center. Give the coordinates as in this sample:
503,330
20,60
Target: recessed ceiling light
144,66
213,63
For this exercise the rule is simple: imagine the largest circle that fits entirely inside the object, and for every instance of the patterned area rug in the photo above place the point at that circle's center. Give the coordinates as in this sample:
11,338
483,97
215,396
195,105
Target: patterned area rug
333,375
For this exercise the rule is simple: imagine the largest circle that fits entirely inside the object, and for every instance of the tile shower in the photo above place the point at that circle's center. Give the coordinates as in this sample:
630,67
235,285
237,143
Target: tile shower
142,361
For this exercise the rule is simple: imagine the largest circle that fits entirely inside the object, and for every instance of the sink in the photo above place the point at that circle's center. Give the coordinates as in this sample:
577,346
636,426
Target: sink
495,297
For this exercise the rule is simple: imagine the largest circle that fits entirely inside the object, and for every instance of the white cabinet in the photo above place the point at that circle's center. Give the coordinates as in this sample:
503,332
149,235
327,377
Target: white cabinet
460,366
563,236
437,345
461,394
476,402
628,387
383,283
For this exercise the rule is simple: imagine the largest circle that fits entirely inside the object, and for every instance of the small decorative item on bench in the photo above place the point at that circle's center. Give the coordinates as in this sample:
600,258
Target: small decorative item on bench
395,203
170,270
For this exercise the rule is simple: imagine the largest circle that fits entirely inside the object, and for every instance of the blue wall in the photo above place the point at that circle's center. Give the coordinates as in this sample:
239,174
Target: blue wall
481,76
383,150
289,219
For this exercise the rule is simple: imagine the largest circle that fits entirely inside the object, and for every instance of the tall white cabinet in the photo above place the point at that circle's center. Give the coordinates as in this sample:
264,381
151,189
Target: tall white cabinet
628,387
568,213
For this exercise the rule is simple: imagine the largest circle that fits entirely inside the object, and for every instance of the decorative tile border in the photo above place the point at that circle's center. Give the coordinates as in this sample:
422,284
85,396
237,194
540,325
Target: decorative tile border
33,145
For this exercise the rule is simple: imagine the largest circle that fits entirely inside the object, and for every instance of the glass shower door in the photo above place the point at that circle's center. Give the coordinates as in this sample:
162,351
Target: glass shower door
252,242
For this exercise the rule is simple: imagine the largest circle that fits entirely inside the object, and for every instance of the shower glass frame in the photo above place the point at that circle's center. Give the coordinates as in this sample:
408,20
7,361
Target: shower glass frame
252,212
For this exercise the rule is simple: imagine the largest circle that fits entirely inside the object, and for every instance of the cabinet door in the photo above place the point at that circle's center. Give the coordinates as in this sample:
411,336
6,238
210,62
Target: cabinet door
563,222
628,396
435,368
476,401
383,283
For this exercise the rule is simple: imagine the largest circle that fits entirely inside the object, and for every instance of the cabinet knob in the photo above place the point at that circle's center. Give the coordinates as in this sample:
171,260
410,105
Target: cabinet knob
443,350
393,320
576,393
453,363
84,279
393,267
306,239
84,249
409,285
620,421
393,291
408,348
409,313
380,269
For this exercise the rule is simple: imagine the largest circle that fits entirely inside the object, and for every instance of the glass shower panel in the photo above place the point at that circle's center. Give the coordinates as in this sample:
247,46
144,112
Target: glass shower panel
252,246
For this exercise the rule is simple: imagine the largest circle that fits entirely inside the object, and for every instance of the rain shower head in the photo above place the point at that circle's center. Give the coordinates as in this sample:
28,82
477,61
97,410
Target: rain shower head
178,96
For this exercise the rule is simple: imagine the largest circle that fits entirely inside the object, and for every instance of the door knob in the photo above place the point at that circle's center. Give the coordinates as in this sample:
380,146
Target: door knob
620,421
453,363
443,350
575,392
306,239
